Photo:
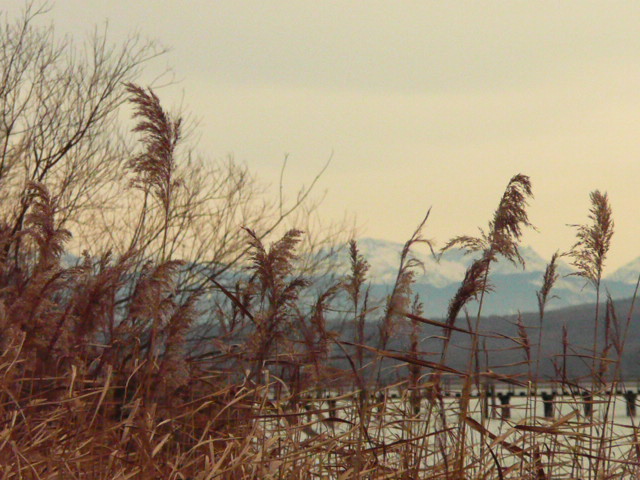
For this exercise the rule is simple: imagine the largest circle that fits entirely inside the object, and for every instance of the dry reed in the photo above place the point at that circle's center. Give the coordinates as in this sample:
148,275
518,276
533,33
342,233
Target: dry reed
105,372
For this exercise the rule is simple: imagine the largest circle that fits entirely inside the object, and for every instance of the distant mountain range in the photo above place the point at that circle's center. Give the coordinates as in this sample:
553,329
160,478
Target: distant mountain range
514,288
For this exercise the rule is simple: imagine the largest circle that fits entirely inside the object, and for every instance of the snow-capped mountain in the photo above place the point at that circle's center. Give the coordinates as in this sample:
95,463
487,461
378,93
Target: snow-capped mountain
515,287
627,273
384,256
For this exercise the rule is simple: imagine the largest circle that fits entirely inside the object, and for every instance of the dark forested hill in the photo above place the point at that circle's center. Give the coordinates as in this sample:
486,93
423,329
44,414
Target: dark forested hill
503,346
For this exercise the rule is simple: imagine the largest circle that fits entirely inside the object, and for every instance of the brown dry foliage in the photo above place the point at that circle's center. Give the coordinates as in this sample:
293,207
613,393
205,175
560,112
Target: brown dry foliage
104,373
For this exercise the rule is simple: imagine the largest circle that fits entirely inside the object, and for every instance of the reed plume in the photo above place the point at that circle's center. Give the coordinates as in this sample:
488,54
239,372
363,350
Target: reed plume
278,291
275,267
543,295
401,295
505,228
470,289
40,225
353,286
150,308
173,368
590,251
153,297
155,168
548,281
37,300
357,275
502,238
316,336
95,296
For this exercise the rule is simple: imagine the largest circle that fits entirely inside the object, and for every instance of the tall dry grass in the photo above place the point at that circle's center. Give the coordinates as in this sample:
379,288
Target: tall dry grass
106,371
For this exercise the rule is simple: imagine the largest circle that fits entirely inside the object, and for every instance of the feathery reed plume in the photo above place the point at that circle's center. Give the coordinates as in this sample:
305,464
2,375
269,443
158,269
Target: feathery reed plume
505,229
278,293
94,298
137,339
316,336
358,274
400,297
548,281
353,286
151,306
590,252
475,282
155,167
593,241
153,294
470,289
397,304
503,237
173,367
40,223
275,266
38,304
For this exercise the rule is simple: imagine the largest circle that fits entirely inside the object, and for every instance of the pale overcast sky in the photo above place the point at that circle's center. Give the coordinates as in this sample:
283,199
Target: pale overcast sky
424,103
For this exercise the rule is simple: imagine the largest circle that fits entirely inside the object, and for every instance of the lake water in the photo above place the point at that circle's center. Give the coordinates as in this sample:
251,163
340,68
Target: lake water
568,443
